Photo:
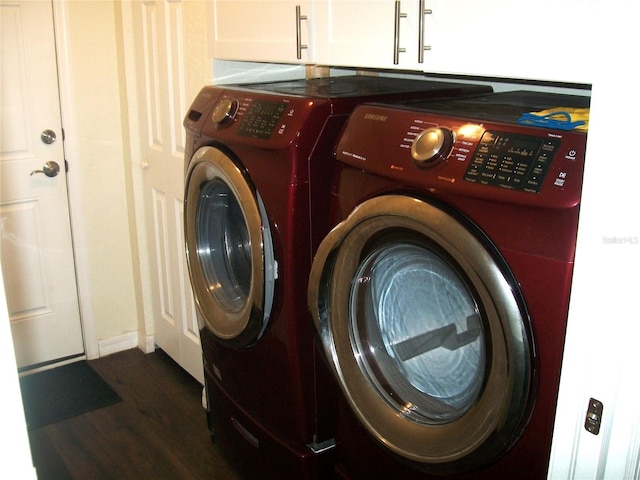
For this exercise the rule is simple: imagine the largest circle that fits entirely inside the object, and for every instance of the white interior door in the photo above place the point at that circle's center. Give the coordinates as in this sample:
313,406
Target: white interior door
164,99
36,248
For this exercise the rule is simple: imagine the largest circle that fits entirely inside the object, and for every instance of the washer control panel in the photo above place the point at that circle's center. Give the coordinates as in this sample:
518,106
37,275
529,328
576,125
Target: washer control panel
511,160
485,159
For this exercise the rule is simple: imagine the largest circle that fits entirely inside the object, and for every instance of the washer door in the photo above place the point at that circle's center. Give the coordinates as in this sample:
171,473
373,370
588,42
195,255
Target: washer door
426,333
229,249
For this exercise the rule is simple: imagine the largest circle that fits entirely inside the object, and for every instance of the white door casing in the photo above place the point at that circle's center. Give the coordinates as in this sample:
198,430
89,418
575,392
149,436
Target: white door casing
164,95
37,254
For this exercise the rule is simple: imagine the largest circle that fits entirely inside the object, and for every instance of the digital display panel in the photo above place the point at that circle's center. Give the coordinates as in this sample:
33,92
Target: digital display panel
261,119
513,161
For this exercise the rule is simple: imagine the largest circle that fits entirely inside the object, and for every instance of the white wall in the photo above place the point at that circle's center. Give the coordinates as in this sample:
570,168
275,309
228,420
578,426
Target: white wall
602,352
14,441
99,173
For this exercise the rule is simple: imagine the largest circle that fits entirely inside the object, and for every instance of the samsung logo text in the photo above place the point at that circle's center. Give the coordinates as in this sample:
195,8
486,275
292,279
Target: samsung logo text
375,117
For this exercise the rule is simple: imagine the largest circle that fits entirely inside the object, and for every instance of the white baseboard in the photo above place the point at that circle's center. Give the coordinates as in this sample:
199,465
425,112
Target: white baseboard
126,341
147,343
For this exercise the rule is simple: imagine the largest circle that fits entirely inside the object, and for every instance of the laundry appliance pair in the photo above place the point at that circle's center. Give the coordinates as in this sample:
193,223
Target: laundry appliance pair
440,297
258,169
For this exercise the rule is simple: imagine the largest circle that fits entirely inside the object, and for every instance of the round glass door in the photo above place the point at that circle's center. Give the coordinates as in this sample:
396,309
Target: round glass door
223,245
426,332
229,249
416,331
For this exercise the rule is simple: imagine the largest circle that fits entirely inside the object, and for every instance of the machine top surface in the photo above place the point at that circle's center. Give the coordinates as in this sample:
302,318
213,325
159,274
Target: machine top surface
281,114
504,107
357,86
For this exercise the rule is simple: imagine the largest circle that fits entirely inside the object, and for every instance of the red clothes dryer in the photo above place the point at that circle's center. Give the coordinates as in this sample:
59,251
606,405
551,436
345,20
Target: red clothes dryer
441,296
258,167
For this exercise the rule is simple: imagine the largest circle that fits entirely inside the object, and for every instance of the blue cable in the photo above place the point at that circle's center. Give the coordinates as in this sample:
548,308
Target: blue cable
546,120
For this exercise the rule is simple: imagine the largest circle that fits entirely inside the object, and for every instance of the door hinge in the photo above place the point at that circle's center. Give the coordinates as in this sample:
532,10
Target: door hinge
594,416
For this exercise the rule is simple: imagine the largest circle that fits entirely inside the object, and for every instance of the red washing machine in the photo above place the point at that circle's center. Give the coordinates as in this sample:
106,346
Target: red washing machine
441,295
257,156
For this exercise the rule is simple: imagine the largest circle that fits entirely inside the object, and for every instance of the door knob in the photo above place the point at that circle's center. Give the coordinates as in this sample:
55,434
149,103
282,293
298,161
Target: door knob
48,136
50,169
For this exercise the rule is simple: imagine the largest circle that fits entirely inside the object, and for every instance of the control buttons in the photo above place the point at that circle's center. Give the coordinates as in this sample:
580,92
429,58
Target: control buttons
432,146
571,155
512,161
224,111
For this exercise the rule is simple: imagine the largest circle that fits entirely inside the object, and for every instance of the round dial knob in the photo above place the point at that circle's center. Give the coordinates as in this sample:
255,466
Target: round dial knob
432,146
224,111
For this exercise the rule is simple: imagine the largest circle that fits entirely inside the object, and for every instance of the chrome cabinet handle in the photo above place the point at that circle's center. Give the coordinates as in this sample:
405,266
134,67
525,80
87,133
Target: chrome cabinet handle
396,33
421,46
299,45
50,169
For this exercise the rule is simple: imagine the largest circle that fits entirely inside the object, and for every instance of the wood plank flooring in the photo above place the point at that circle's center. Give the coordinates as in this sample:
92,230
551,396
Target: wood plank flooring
158,431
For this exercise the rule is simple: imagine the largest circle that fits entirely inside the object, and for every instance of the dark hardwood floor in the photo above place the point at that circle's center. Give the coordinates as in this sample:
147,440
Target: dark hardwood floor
158,431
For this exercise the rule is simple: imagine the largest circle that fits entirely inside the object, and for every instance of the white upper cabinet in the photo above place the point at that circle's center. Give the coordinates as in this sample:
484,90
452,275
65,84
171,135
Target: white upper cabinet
528,39
371,33
277,31
533,39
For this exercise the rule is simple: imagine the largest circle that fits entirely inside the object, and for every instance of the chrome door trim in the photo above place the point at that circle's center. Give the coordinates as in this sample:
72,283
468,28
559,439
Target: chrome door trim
502,408
244,326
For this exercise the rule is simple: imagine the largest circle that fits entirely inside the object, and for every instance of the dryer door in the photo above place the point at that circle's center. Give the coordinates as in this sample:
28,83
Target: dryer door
426,332
229,249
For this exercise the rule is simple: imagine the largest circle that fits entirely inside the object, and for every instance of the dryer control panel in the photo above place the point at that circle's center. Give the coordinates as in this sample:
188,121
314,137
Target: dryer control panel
261,119
486,159
264,120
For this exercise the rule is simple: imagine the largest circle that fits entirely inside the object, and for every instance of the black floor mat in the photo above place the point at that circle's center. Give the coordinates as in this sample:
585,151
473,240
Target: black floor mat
64,392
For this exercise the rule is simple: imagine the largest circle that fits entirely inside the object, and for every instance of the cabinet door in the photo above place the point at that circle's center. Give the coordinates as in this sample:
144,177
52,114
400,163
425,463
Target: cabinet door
262,31
368,33
541,39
